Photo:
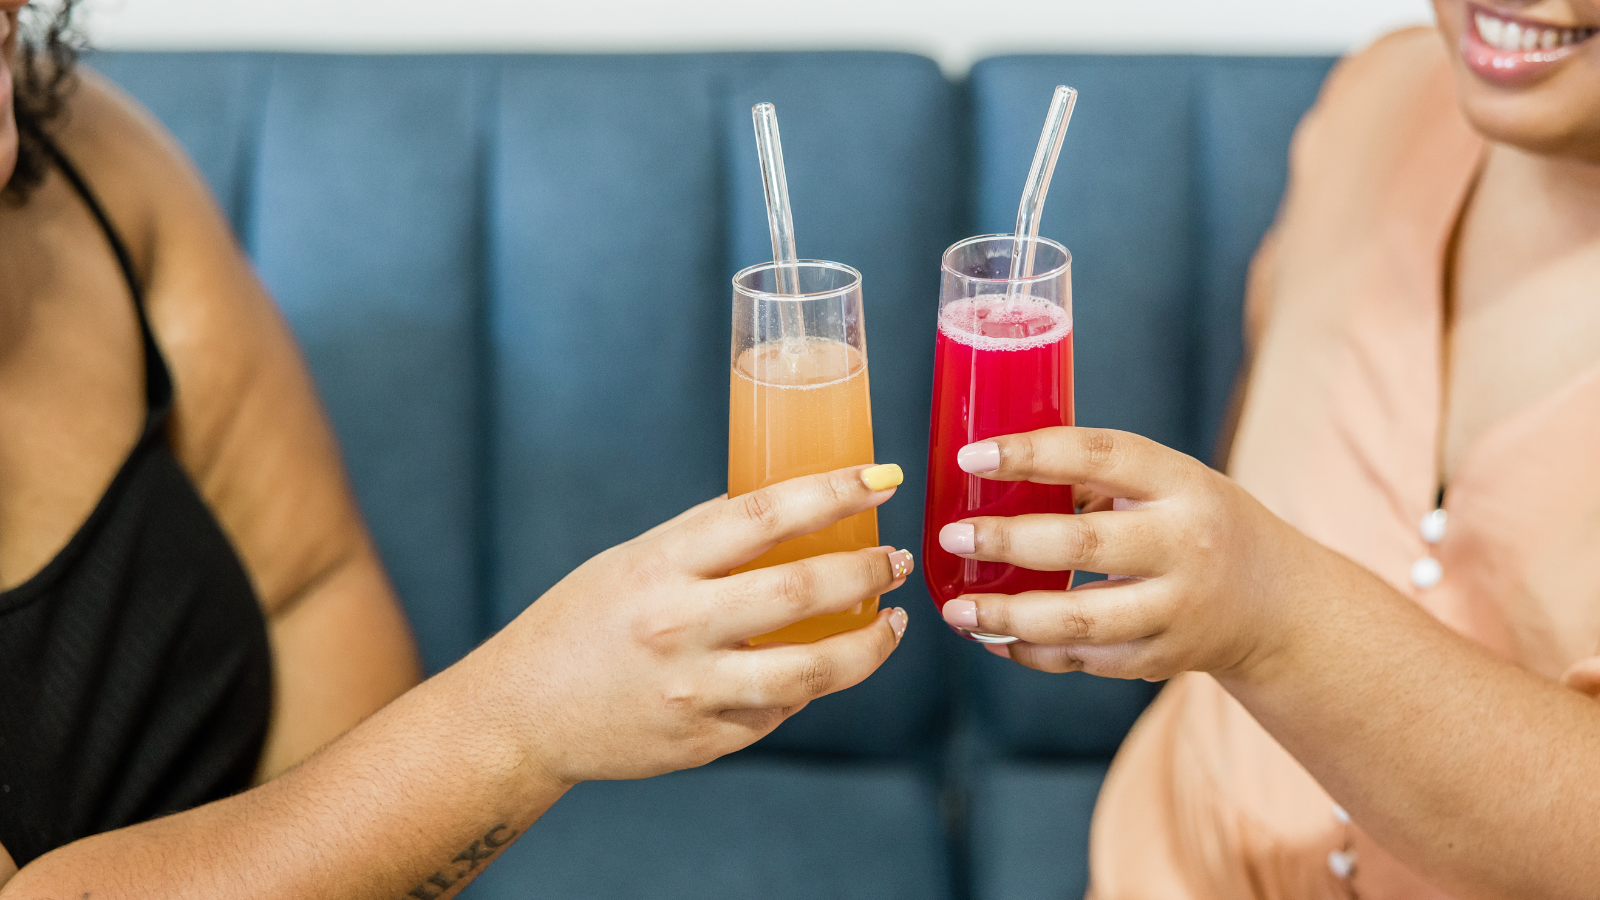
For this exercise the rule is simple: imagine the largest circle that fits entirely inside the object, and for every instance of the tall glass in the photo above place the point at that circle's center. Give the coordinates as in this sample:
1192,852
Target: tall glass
798,405
1002,365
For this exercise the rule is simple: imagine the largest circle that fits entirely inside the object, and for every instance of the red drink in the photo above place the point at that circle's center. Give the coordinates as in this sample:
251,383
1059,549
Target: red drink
1001,366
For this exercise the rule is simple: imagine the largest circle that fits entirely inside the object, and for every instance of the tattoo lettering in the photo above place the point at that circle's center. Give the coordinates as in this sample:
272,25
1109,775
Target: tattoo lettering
434,886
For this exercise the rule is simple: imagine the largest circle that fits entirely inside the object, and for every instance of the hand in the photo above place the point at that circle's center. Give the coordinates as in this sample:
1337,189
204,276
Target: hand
636,664
1197,564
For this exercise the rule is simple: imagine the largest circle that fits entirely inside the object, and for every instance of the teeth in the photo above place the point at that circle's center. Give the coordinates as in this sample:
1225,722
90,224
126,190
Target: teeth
1512,36
1489,28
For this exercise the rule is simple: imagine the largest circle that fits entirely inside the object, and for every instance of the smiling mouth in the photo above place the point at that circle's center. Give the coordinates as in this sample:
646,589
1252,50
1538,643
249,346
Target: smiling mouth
1511,34
1510,51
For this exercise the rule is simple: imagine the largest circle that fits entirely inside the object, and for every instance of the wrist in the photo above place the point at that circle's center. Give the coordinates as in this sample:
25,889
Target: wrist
1298,591
491,702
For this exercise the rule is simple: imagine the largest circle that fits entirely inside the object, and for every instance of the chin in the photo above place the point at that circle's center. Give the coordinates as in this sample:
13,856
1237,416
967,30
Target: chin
1530,82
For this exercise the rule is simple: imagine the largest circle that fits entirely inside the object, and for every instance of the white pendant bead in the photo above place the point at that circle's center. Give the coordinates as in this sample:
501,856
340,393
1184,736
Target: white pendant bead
1433,526
1342,864
1426,572
1340,816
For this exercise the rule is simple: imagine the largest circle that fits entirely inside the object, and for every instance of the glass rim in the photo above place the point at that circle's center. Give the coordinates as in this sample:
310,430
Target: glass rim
770,266
1035,278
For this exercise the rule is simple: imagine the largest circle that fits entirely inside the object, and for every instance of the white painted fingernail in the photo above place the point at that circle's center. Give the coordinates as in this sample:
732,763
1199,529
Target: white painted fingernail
979,458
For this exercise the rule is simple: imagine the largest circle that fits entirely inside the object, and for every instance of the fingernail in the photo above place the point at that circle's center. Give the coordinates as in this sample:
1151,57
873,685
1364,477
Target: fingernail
900,563
897,622
959,538
961,614
979,458
881,478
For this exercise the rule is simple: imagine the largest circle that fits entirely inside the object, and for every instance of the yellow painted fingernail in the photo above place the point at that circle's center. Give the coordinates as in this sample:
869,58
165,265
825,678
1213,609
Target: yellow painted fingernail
881,478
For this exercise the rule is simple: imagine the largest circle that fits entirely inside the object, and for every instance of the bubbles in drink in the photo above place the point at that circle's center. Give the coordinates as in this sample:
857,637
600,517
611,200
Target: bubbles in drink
800,363
998,322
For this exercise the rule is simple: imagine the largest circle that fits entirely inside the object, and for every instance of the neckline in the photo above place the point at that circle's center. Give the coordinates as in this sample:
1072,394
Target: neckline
45,578
159,393
1493,433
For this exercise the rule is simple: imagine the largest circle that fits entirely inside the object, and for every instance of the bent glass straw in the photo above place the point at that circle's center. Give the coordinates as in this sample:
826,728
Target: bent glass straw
1038,185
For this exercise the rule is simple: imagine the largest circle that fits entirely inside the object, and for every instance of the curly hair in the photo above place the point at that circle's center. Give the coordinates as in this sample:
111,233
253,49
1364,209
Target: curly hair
47,62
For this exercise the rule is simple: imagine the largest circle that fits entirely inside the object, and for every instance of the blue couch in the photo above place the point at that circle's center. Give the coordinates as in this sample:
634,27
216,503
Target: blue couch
511,277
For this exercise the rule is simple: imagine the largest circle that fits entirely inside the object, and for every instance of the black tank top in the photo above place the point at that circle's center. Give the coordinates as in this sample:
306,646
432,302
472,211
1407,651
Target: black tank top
135,676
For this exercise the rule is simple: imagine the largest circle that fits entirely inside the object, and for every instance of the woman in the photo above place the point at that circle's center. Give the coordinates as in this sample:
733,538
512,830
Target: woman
190,604
1426,335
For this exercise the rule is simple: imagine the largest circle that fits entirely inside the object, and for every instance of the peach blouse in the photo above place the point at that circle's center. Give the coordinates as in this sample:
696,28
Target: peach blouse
1339,436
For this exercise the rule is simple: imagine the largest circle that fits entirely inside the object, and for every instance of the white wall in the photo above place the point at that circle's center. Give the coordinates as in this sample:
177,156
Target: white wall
955,32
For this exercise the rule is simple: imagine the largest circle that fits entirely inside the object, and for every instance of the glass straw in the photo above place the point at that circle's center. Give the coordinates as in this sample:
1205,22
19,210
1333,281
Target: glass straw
1033,193
780,221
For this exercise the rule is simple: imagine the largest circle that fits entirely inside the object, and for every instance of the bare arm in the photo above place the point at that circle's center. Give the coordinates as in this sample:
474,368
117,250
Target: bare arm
412,803
1477,774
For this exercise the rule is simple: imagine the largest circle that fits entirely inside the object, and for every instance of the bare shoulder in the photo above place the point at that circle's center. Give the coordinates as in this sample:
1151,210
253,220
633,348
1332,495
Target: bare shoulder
246,424
139,172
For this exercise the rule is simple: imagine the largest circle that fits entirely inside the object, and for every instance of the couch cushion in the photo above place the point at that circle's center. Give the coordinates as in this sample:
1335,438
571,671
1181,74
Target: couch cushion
735,829
625,196
365,225
1029,830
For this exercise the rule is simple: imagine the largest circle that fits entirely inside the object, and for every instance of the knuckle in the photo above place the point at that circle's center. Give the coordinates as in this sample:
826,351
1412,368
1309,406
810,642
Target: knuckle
1018,453
660,632
875,570
996,537
1076,623
994,615
816,676
680,698
1081,541
839,489
1101,451
649,568
797,583
762,511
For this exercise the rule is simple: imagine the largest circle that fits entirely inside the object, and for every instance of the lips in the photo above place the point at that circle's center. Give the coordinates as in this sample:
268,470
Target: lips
1510,51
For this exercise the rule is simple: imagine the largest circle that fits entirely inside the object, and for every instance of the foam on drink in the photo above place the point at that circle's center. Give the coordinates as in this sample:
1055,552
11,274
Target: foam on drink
998,323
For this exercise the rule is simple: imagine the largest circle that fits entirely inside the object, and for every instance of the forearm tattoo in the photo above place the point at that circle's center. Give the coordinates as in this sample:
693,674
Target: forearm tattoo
466,863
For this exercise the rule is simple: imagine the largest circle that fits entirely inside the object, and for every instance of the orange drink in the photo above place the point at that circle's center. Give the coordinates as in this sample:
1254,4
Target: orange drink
810,412
799,404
